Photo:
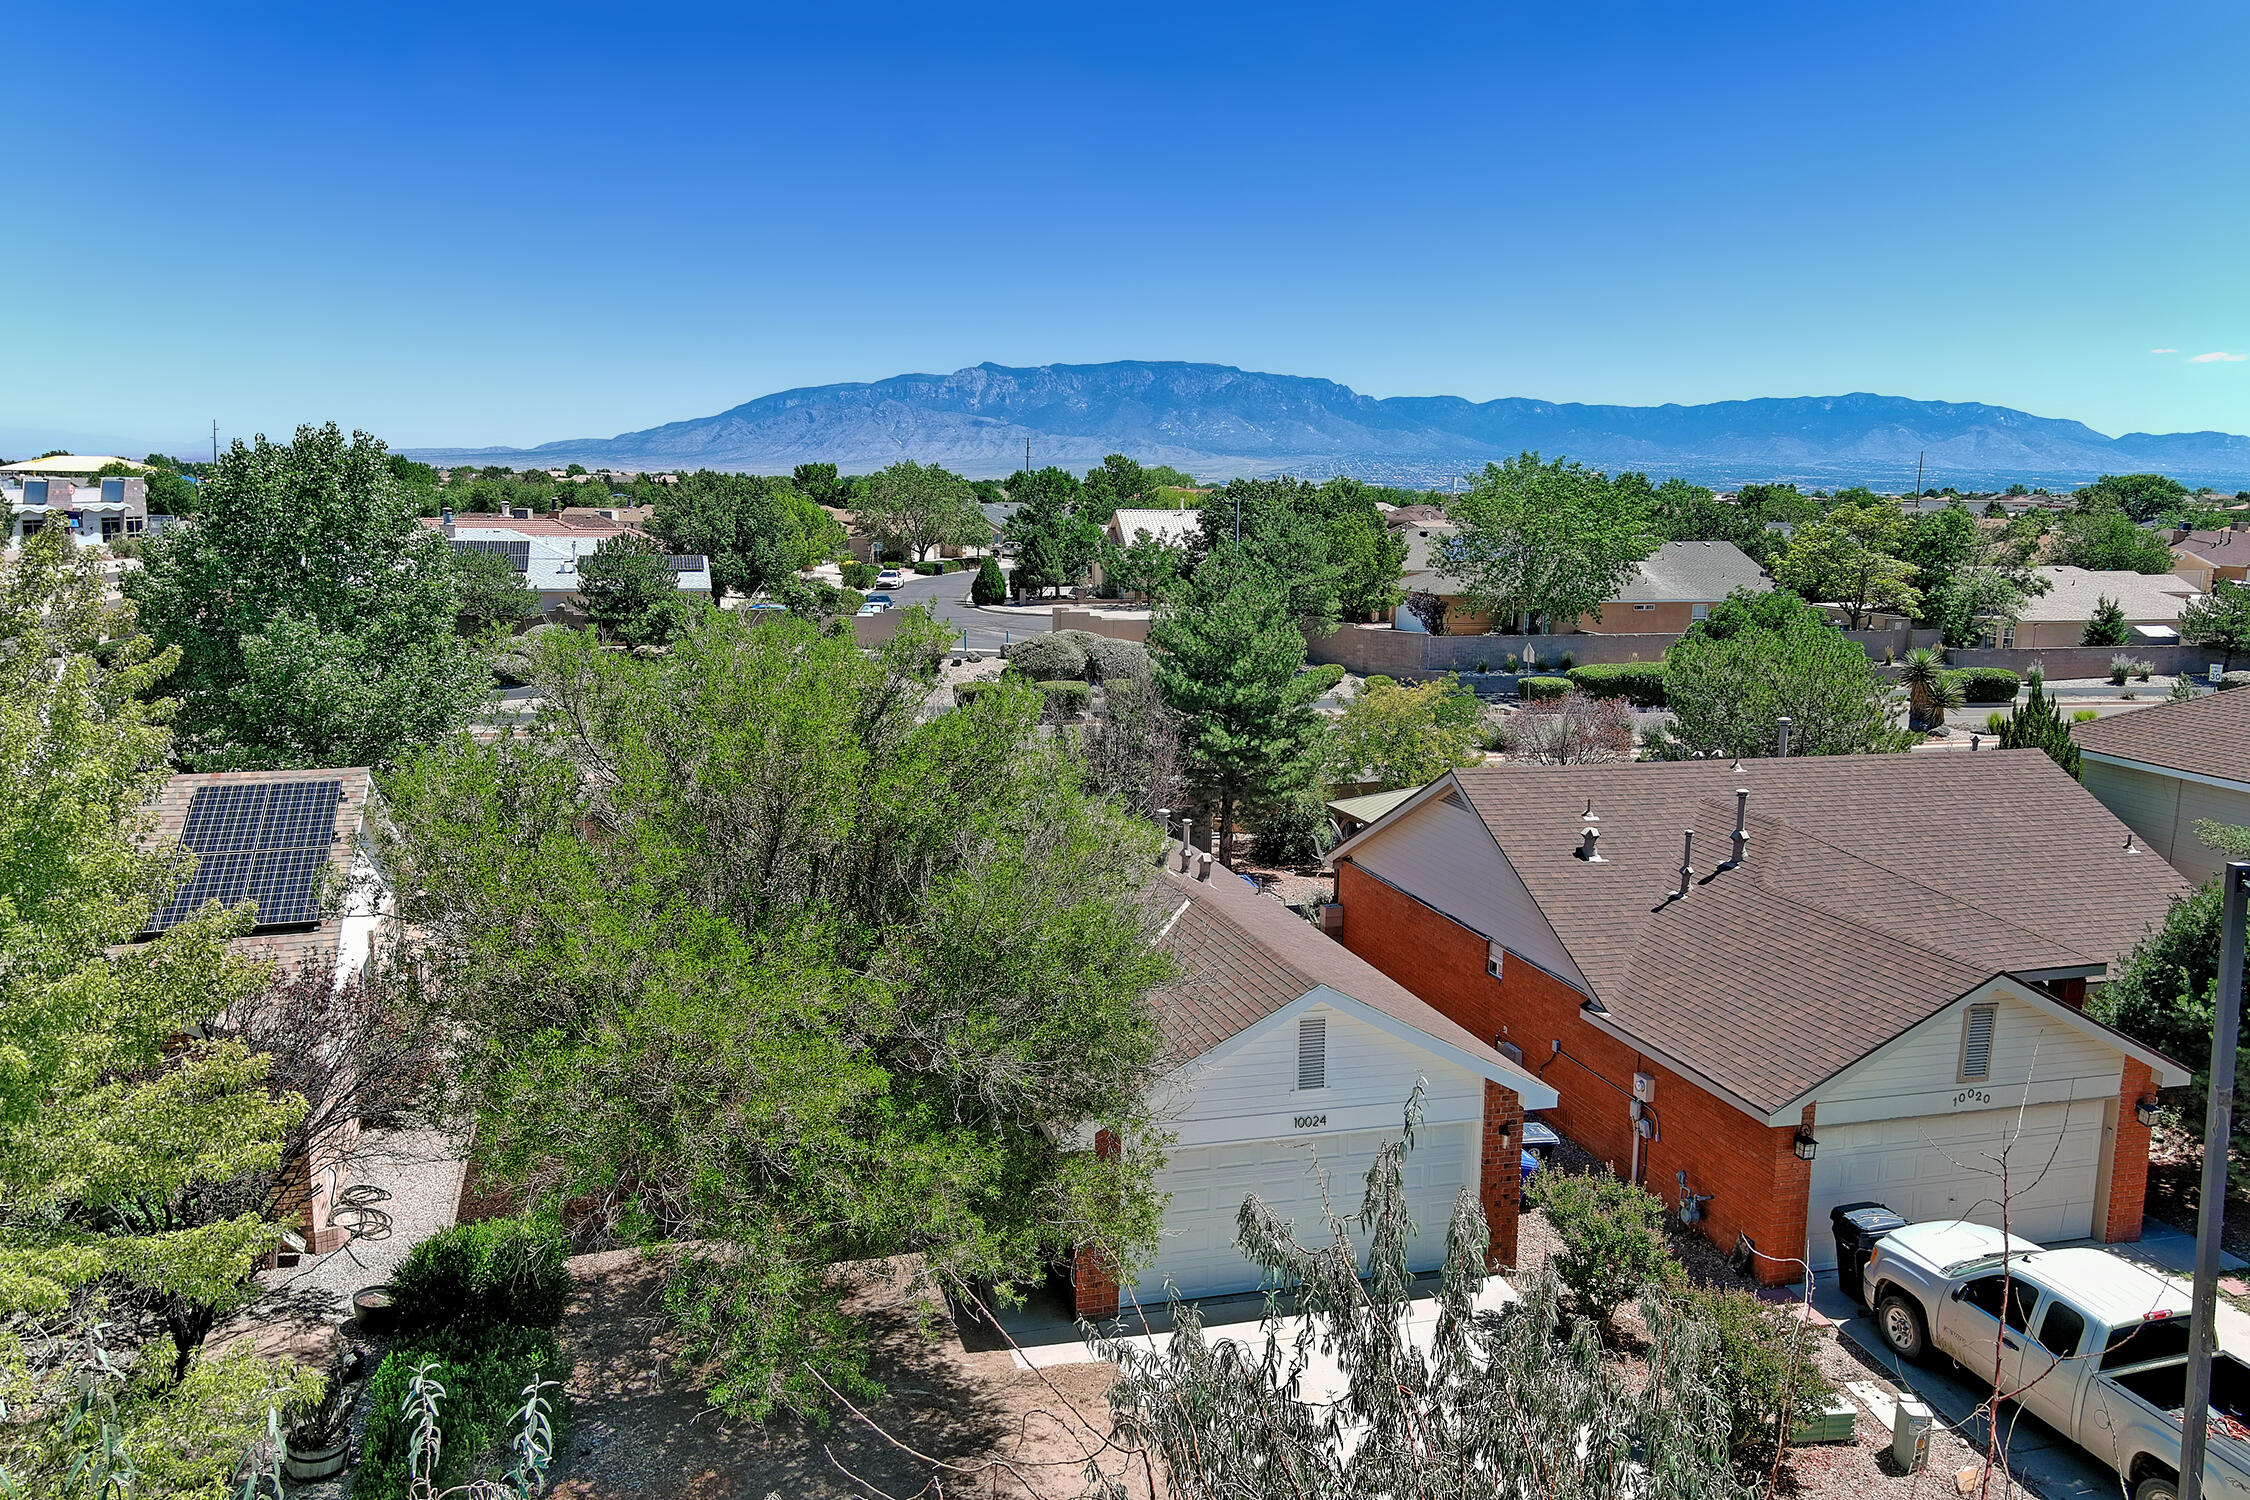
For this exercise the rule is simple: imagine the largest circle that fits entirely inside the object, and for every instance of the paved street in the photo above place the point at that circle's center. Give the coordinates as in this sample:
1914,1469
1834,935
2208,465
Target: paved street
948,596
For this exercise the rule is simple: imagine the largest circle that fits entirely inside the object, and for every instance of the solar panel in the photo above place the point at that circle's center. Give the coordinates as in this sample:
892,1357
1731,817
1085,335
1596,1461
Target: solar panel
517,553
692,562
265,841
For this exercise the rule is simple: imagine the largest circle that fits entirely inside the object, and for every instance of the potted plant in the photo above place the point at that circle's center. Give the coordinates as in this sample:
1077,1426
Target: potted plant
319,1439
376,1307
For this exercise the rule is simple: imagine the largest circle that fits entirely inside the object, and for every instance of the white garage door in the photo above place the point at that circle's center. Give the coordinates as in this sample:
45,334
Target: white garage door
1944,1167
1208,1183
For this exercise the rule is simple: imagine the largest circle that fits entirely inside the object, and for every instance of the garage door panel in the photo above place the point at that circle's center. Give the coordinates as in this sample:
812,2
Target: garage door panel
1949,1168
1207,1185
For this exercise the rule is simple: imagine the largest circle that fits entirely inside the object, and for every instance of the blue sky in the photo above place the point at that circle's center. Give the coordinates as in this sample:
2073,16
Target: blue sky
485,224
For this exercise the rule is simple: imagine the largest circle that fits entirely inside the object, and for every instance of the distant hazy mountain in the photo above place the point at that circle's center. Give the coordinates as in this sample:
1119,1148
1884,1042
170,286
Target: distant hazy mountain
1217,421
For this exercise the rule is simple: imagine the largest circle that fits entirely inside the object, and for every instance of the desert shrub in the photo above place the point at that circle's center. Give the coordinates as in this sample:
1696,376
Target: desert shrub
1067,700
966,693
2086,715
1640,683
2144,670
1995,721
1541,689
1612,1234
1116,661
1048,658
2183,686
1574,730
2233,679
858,575
2120,668
484,1378
1295,832
1768,1368
1987,684
491,1272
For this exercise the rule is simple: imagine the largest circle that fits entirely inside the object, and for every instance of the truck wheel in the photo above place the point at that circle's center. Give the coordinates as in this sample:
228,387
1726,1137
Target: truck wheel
2157,1487
1904,1332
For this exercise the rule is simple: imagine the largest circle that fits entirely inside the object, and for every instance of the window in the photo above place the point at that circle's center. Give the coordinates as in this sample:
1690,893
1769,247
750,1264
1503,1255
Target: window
1312,1052
1699,612
2008,638
2062,1329
2022,1298
1494,956
1983,1294
1644,606
1976,1044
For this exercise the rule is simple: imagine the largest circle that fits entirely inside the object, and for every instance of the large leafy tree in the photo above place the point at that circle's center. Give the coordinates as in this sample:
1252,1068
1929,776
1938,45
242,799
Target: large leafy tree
750,955
1548,542
1118,483
2220,618
1230,659
1850,557
2142,497
916,507
1969,574
1760,657
1055,534
313,615
631,594
740,522
1283,529
129,1159
2166,992
2101,536
1400,735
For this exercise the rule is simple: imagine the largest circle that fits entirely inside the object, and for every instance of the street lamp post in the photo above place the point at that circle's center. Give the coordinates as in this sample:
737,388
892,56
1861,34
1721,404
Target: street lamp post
2218,1130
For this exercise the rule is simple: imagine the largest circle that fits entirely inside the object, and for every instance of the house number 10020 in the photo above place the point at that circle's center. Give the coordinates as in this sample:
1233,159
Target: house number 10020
1311,1122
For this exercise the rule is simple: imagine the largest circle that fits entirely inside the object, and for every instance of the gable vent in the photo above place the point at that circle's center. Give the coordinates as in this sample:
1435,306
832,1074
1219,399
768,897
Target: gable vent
1454,798
1312,1052
1976,1043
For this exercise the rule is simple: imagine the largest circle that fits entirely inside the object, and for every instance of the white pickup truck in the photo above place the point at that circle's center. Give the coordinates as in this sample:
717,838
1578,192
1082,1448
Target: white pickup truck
2093,1345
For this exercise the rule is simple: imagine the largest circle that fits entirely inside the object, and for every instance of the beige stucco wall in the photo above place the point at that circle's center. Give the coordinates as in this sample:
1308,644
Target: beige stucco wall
2163,810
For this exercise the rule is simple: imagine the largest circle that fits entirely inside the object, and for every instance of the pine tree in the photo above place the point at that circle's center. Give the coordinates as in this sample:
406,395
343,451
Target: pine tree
989,586
1230,659
2039,725
2106,625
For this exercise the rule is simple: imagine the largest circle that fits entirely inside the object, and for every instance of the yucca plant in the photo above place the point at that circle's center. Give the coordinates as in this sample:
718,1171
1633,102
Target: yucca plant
1930,689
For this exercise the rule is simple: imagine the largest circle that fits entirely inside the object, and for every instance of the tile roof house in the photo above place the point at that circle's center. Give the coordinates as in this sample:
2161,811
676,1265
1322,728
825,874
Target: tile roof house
2058,617
2205,557
2165,768
548,553
1284,1049
1835,1007
1673,588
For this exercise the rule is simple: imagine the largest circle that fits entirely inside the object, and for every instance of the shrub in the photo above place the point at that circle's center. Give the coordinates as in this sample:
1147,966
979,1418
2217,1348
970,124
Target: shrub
1987,684
1541,689
858,575
1116,661
989,586
2233,679
494,1271
2144,670
2120,668
1612,1237
1637,682
1067,700
1295,832
928,568
2183,686
483,1378
1566,660
2087,715
1757,1347
966,693
1047,658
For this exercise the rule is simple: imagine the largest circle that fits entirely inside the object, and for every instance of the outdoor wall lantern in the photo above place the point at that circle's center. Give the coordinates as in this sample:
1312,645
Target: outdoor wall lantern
2145,1111
1806,1145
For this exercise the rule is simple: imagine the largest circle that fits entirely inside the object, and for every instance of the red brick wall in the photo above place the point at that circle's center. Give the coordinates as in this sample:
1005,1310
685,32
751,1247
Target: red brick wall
1093,1281
2128,1168
1757,1185
1500,1172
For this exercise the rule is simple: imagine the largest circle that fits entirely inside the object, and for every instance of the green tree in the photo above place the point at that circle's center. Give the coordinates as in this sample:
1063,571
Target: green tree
819,484
916,507
1760,657
2142,497
1284,526
1400,736
1930,691
1850,557
2039,725
313,614
1056,539
1369,558
631,594
2219,619
2101,536
739,522
815,535
491,593
846,981
2106,625
1146,565
1230,659
1970,576
1118,483
989,586
2166,992
1548,542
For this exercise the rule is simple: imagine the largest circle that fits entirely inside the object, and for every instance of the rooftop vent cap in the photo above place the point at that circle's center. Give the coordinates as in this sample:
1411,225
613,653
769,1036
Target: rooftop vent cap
1590,846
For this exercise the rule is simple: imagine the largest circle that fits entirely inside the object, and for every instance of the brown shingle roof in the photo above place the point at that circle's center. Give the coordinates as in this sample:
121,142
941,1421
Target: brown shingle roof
2228,549
2208,736
1245,956
1877,889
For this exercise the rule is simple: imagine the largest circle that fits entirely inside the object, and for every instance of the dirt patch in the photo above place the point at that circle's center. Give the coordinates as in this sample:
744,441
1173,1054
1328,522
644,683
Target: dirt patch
974,1422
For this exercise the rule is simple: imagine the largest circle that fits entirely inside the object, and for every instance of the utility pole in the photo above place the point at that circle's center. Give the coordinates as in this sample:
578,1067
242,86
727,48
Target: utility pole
214,441
1027,454
1925,453
2218,1130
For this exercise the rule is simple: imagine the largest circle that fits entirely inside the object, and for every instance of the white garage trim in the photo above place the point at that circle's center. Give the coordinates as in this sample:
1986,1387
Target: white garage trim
1946,1168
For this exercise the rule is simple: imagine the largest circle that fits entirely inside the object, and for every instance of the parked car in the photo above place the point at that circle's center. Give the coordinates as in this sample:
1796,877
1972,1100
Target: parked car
882,601
2090,1343
889,578
870,609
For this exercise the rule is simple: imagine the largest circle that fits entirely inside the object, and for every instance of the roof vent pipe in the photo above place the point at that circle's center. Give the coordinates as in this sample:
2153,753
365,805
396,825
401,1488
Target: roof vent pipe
1590,846
1687,865
1187,843
1781,739
1164,821
1589,815
1203,867
1741,824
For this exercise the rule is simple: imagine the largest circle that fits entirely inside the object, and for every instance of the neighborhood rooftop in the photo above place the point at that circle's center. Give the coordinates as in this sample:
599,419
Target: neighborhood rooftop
2206,736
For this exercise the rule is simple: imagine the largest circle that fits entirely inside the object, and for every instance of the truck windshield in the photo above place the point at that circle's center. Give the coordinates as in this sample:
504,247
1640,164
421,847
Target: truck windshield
2138,1343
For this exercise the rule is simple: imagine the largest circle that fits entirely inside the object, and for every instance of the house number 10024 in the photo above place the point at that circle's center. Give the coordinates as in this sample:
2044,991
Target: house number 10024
1311,1122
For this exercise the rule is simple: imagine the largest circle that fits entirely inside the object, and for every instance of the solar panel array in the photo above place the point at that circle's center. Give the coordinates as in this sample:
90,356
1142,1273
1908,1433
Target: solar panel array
691,563
263,841
518,554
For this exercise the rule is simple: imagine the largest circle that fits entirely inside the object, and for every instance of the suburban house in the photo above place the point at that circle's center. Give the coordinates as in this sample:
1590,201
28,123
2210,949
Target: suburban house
2205,557
1178,528
548,549
1767,989
1674,587
2152,603
95,512
299,845
1288,1053
2165,768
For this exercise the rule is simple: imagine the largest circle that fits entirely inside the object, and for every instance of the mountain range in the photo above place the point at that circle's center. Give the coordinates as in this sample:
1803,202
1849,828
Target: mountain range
1218,422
